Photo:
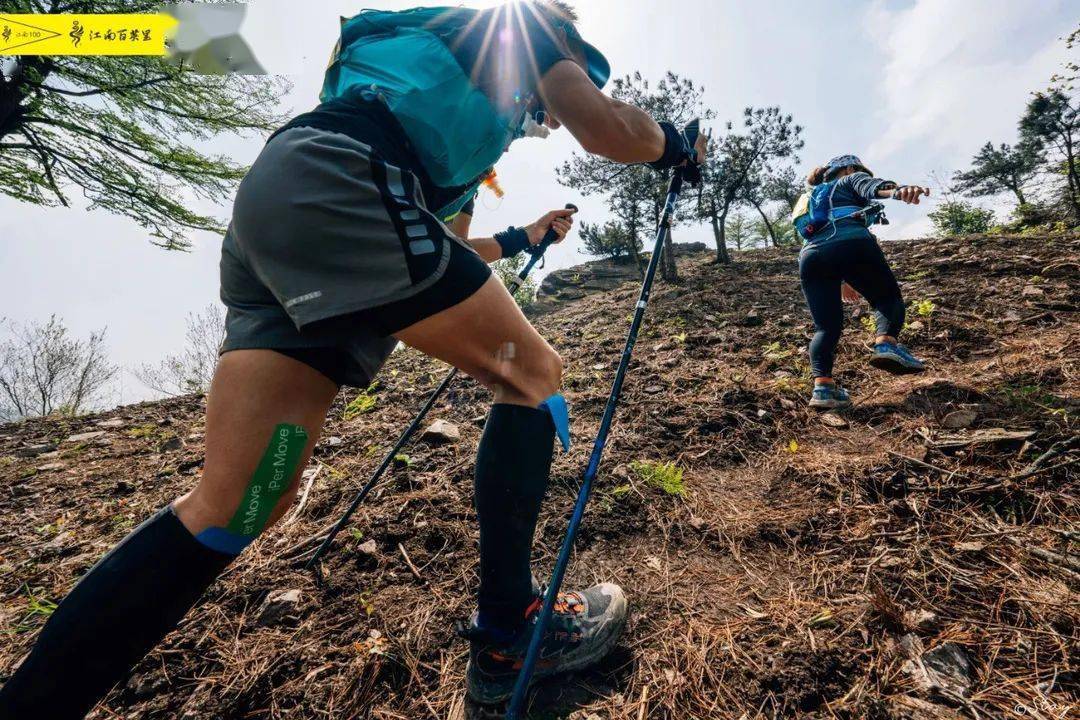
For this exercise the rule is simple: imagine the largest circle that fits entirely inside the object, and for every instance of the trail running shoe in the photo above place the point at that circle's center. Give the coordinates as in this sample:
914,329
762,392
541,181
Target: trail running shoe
585,626
829,397
895,359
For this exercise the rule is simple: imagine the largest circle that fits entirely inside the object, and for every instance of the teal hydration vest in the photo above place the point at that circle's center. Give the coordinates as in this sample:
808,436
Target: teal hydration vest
815,211
402,60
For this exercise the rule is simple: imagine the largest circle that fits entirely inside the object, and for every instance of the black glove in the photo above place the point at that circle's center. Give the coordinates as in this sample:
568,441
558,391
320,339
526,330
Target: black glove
679,148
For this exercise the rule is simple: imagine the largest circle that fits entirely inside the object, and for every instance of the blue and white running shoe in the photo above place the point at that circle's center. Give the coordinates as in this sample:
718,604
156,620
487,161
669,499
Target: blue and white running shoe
896,359
829,397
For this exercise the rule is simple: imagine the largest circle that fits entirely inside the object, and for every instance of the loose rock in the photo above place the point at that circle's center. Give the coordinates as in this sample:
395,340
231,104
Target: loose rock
834,420
959,419
278,606
85,437
171,444
441,431
34,450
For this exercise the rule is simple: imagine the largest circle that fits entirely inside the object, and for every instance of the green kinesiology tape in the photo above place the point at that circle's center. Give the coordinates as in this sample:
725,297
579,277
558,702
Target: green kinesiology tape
271,479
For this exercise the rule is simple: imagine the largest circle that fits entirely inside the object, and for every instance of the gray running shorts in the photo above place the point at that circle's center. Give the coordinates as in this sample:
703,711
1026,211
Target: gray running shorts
330,251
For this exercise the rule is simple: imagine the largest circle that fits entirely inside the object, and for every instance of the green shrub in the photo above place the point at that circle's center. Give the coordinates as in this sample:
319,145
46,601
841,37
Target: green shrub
363,403
961,218
923,308
774,351
665,476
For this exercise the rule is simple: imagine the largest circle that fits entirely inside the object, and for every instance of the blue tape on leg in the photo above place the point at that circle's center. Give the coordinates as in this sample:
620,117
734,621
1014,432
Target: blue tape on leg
224,541
560,415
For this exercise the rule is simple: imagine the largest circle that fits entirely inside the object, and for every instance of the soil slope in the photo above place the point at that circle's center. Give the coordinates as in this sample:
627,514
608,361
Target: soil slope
915,557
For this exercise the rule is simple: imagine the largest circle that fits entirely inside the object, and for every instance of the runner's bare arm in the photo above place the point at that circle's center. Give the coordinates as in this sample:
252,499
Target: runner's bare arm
487,248
602,125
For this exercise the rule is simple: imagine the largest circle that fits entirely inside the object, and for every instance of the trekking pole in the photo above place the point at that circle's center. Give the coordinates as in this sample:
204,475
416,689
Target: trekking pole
515,283
521,687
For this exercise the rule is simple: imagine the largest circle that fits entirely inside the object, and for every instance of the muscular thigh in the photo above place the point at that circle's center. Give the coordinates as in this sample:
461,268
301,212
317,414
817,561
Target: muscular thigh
253,393
488,337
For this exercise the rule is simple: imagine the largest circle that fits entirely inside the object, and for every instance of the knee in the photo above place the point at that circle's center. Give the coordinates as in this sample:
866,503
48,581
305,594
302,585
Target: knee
530,377
544,377
827,335
552,374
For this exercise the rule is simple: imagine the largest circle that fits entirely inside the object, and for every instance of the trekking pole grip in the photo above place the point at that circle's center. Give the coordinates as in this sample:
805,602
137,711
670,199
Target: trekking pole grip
550,237
537,252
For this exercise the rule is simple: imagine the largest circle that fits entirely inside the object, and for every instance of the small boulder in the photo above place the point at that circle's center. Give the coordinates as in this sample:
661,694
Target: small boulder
279,605
332,441
959,419
85,437
52,467
171,444
946,669
834,421
34,450
112,424
368,548
441,431
751,319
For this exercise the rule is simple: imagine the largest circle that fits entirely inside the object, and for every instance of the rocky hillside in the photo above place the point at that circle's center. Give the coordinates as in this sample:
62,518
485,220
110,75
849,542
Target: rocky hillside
915,557
568,285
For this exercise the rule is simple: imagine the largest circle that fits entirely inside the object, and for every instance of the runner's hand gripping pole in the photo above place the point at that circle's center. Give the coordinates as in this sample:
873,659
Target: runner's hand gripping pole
687,172
537,252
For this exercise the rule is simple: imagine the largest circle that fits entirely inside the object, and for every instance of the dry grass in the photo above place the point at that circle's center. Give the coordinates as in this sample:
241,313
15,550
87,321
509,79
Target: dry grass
780,584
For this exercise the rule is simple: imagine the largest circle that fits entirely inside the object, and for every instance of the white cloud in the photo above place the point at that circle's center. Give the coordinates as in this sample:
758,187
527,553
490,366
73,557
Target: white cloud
958,72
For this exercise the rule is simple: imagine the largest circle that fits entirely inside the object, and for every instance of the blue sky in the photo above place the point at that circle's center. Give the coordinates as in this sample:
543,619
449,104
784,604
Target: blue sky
912,86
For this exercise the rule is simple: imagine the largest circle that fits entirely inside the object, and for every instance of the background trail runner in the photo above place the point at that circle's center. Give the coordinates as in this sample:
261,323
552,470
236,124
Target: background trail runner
337,250
840,260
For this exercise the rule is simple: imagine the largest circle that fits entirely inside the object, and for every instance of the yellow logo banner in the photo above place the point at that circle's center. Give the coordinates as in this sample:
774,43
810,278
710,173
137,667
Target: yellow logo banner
129,34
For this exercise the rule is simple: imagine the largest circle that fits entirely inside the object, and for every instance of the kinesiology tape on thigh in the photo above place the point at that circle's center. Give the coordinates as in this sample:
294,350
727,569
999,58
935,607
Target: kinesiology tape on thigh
267,486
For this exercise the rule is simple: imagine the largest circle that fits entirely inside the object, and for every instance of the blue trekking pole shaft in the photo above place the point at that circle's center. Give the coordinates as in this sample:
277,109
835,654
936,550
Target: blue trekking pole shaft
521,688
538,253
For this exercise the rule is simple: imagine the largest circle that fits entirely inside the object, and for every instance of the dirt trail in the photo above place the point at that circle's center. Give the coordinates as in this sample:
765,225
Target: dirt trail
903,560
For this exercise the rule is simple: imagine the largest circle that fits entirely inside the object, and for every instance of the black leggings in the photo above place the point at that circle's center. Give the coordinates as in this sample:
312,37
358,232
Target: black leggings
859,262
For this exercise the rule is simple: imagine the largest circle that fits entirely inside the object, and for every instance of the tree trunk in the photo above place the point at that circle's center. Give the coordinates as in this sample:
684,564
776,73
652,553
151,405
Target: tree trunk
718,223
632,232
668,268
768,225
1019,195
1074,180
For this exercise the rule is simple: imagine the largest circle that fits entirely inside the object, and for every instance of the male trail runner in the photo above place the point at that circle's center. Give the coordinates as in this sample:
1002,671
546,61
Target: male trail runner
338,250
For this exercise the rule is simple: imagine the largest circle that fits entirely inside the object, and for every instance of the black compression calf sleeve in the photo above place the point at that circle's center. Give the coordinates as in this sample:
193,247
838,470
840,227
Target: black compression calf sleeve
121,609
512,468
